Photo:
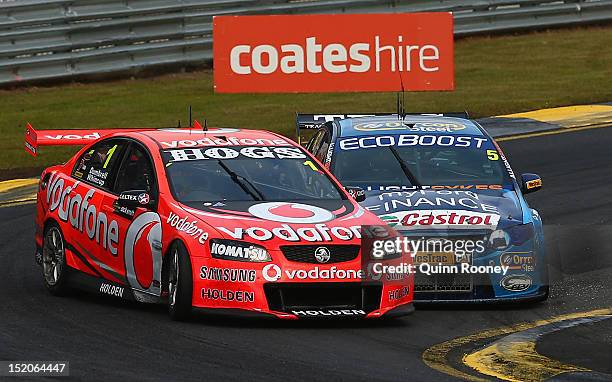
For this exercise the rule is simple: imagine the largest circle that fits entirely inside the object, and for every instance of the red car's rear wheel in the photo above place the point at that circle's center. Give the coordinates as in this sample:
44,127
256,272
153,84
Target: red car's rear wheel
54,260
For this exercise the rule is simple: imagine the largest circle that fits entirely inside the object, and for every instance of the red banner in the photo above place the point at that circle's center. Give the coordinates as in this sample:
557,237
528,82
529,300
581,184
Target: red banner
333,53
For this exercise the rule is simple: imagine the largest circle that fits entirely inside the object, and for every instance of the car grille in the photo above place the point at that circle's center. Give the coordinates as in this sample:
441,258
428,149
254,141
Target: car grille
285,297
305,253
444,283
481,289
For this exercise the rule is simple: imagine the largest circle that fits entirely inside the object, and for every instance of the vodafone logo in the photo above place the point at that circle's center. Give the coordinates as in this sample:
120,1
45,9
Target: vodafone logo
143,257
271,272
80,211
291,213
58,137
221,130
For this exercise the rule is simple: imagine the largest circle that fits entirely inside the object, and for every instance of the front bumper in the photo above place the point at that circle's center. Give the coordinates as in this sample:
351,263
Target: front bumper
252,294
541,294
398,311
525,280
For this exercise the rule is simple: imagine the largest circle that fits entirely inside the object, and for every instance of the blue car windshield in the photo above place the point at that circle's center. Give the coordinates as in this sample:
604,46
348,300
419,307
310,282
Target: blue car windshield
417,160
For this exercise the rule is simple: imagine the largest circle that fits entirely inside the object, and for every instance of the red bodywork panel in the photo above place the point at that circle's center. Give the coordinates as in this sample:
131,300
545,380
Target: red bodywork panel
124,255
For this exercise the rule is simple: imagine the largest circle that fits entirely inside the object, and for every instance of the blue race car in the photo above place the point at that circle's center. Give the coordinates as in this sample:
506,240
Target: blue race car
445,184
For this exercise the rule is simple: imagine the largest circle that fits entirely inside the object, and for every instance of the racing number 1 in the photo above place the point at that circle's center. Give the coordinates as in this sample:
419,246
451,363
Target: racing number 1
109,155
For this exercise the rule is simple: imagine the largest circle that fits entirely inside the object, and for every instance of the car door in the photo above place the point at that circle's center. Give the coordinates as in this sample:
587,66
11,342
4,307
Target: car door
140,257
98,243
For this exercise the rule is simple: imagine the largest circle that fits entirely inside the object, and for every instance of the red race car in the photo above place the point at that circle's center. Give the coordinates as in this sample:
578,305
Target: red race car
229,220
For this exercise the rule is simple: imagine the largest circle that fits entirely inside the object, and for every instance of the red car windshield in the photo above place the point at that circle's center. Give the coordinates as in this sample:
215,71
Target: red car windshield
242,173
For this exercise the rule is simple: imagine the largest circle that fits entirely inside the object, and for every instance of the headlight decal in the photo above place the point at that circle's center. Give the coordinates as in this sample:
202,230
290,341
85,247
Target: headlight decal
517,235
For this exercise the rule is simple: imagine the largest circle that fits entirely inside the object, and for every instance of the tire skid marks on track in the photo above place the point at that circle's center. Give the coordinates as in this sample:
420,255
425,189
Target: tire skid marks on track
512,357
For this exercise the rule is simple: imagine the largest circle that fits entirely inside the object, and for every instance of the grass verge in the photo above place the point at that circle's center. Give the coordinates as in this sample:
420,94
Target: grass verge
494,75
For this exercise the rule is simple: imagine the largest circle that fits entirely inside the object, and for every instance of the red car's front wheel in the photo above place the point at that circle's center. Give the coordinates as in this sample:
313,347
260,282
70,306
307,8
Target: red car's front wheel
180,283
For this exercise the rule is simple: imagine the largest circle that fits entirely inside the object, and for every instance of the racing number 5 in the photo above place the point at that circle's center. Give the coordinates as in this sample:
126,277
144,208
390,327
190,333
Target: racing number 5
492,155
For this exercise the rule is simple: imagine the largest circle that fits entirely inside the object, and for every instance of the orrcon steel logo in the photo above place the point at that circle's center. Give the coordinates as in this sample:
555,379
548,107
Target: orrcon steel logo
327,53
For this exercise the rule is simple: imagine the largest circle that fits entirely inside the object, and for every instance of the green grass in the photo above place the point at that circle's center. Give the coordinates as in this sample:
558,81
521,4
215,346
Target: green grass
494,75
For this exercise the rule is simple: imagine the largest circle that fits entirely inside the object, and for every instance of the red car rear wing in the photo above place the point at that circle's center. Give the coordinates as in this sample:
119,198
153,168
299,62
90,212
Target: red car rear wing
35,138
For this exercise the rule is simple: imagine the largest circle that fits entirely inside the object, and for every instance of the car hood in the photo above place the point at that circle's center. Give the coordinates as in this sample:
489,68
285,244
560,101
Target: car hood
440,208
282,223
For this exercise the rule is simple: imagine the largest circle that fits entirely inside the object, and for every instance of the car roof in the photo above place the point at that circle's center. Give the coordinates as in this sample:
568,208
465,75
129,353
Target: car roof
241,136
419,124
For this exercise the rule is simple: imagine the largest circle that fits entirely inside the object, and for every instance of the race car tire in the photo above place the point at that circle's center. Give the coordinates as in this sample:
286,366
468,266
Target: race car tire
180,283
546,292
54,267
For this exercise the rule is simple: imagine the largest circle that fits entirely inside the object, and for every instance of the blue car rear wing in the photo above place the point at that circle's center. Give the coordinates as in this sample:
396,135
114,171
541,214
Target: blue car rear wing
310,122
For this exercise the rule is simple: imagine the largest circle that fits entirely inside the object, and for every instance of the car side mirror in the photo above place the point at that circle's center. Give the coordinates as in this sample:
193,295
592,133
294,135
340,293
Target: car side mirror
530,183
356,193
135,199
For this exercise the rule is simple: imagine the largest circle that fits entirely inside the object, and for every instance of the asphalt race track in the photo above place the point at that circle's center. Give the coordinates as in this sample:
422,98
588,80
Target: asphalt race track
109,340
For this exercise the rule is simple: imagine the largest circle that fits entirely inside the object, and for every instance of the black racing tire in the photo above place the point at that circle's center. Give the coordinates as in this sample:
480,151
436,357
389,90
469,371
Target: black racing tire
545,287
54,268
546,294
180,282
